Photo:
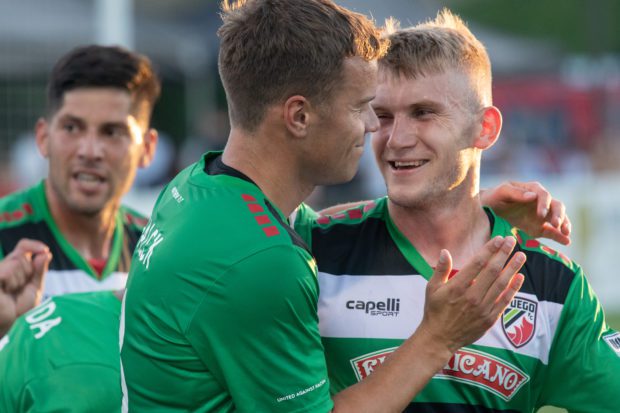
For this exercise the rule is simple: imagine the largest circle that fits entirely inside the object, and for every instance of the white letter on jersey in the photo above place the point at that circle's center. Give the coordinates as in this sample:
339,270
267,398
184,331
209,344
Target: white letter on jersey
4,341
150,238
37,318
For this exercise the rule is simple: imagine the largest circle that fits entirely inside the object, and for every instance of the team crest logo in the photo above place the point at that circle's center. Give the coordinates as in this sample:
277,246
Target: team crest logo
519,321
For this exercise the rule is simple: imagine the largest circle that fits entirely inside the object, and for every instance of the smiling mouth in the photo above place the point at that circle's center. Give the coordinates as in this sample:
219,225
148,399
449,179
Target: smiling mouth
87,178
400,166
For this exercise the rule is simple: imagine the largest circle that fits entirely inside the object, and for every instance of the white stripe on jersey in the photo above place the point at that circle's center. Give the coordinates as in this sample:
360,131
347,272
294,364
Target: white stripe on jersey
77,281
338,321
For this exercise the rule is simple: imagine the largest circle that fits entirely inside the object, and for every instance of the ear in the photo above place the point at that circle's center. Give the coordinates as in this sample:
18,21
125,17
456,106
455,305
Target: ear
149,145
297,114
491,127
41,135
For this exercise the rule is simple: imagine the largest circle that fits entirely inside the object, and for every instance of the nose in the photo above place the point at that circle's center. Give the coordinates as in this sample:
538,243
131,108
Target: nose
402,134
372,123
90,146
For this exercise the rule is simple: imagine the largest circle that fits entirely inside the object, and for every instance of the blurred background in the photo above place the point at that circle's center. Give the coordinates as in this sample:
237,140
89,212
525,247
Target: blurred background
556,68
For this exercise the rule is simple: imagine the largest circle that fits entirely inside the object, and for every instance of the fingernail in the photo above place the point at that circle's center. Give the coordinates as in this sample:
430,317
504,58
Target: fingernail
529,194
498,241
544,212
442,257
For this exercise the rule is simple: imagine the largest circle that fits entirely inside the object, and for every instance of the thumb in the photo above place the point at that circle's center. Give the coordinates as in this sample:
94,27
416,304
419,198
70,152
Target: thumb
442,270
40,264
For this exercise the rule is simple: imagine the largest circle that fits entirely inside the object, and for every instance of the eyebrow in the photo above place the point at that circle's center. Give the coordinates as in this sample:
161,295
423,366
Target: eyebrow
368,99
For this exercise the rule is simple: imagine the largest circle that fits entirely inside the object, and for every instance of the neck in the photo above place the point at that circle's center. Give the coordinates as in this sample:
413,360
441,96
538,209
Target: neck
90,235
264,158
460,226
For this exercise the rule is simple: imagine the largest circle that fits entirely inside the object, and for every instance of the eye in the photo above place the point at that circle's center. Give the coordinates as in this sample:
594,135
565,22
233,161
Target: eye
70,127
423,112
383,116
114,131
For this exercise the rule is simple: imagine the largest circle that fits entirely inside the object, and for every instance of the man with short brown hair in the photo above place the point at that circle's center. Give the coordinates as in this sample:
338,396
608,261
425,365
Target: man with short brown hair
228,322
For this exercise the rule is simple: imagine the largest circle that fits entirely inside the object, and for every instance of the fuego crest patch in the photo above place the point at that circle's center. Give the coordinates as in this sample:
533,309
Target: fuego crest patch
519,321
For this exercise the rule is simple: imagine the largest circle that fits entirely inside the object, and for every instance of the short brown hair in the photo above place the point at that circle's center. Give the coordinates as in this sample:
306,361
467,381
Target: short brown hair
105,66
273,49
435,46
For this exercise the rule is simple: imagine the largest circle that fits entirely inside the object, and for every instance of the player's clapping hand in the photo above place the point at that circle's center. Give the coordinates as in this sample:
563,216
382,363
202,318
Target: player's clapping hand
530,207
458,311
22,274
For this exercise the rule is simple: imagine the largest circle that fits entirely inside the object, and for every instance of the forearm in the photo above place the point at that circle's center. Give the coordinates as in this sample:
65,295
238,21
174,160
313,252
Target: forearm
392,386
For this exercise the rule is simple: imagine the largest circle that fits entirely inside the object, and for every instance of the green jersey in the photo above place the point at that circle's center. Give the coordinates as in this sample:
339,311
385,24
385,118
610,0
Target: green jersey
220,313
62,356
550,347
26,214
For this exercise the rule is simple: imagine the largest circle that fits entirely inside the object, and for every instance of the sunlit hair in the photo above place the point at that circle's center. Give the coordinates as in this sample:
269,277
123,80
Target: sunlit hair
105,67
436,46
273,49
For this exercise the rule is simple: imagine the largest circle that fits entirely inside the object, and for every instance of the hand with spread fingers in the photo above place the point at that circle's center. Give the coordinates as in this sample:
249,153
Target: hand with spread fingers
22,276
530,207
460,310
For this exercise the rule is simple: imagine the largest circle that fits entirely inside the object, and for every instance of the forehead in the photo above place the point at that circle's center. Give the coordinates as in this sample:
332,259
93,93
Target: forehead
359,78
96,105
451,87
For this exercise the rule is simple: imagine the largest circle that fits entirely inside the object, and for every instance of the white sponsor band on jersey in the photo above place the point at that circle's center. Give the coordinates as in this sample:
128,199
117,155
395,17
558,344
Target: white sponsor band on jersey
77,281
338,321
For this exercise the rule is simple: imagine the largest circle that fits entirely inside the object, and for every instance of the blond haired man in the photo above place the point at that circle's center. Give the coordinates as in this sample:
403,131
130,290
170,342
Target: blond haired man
375,262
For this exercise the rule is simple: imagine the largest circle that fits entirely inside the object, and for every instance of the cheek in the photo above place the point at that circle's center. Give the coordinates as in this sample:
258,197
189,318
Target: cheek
378,141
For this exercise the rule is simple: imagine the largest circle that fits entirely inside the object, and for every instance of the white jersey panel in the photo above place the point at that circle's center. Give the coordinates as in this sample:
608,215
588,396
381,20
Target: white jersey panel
389,306
77,281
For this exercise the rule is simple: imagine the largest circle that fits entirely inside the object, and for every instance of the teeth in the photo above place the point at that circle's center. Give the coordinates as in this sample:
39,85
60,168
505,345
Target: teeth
412,164
87,177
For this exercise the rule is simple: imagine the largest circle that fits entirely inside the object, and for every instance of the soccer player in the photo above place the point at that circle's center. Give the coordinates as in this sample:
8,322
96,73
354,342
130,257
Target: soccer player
551,346
63,356
220,309
95,135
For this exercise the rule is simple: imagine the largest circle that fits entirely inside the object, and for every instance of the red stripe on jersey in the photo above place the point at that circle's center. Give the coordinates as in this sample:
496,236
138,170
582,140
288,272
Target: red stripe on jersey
322,220
255,208
355,214
369,206
248,198
262,219
27,208
17,215
271,231
532,243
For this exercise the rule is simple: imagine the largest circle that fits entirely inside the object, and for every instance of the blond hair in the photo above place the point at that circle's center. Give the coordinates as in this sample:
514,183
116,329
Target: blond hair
436,46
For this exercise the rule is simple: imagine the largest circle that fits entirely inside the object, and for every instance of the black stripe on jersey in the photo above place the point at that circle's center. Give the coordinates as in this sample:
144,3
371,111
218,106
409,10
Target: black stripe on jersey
451,408
364,248
216,166
9,237
295,238
546,278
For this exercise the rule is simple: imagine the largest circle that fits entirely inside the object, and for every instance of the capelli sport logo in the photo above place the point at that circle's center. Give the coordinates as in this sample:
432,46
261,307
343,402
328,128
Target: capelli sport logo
388,308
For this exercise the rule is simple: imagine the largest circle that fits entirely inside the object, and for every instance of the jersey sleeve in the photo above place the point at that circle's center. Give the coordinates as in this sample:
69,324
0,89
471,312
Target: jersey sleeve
258,334
11,375
302,221
584,365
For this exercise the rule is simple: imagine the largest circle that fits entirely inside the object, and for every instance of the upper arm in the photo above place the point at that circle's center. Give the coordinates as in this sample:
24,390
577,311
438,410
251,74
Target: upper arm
582,375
